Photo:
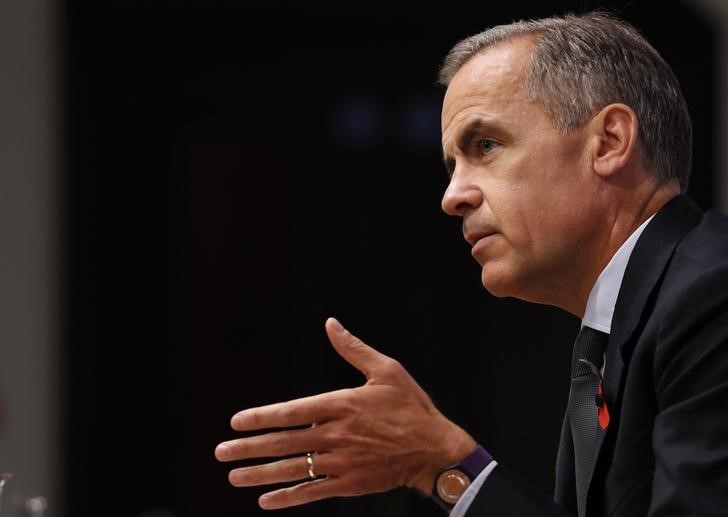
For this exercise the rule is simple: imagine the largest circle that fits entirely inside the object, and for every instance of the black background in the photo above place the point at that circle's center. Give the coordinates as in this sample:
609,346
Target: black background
236,174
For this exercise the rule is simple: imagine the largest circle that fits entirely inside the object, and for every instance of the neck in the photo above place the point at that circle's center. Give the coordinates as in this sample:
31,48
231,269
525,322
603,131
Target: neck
620,223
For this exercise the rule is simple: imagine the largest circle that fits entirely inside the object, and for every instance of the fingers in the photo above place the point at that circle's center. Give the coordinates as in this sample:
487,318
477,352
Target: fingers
357,353
290,469
282,443
303,411
303,493
343,424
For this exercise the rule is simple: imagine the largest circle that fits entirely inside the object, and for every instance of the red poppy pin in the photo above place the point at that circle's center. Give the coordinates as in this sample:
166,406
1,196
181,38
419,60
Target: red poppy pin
600,400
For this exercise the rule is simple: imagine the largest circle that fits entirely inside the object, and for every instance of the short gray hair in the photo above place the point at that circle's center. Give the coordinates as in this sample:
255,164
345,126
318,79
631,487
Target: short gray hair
582,63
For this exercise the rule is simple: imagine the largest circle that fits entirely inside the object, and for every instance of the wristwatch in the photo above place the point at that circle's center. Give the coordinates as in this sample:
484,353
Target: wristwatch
451,482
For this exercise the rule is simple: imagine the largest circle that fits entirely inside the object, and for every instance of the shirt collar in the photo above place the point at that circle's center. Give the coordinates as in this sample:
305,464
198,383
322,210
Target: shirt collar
603,296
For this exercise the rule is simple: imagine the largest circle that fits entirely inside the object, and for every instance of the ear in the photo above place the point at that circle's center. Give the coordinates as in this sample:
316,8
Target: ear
616,130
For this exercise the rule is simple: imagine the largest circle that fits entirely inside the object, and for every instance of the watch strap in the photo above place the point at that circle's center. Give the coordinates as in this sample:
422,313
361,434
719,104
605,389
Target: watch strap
472,465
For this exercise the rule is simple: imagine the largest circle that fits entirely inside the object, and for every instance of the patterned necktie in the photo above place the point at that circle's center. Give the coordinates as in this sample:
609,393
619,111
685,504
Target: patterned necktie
582,409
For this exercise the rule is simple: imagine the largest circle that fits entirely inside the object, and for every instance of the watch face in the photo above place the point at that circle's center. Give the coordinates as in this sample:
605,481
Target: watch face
451,485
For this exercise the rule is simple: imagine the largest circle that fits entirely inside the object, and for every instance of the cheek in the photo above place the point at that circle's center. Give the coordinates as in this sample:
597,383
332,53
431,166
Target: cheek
538,223
541,204
521,224
530,199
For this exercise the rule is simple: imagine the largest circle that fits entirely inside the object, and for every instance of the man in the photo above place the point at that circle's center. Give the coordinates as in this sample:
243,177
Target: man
568,144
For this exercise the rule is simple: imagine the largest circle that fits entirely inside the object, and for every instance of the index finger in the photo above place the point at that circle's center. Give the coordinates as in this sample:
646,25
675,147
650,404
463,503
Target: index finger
303,411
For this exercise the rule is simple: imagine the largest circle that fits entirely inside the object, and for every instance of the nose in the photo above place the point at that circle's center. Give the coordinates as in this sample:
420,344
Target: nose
460,196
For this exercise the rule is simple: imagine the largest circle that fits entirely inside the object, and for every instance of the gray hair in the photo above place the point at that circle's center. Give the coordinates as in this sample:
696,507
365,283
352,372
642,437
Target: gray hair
582,63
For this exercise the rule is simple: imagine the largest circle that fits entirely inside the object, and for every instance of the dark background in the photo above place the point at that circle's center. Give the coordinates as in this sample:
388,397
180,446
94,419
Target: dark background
234,175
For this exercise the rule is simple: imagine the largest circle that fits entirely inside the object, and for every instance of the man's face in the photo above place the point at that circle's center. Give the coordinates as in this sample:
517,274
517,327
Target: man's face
524,190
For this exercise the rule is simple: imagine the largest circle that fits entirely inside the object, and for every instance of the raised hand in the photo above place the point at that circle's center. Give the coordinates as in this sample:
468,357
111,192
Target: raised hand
381,435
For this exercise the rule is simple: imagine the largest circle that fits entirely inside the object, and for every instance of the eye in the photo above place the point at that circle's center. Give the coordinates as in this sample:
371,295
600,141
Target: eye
487,145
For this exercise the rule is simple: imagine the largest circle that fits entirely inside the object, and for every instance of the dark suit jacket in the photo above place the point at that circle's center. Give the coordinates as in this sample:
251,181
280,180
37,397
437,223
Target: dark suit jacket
665,451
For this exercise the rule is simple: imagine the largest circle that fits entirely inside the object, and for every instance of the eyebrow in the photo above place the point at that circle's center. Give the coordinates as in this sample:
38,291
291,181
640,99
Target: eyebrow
466,136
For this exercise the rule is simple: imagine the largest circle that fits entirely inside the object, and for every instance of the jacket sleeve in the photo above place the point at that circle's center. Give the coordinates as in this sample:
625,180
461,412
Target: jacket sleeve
506,495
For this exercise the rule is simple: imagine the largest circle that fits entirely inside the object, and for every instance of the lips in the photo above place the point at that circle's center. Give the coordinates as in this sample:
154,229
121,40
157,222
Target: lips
474,237
479,240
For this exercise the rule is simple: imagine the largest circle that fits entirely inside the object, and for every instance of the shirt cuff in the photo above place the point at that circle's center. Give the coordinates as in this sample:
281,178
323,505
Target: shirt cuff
467,498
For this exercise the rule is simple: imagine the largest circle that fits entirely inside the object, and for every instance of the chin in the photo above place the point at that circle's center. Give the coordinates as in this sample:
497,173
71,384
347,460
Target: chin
504,282
496,283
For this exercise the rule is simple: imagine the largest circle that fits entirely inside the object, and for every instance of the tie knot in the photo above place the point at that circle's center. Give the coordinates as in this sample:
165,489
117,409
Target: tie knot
589,346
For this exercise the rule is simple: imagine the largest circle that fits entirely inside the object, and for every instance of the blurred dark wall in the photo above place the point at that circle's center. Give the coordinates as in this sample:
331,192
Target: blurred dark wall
234,176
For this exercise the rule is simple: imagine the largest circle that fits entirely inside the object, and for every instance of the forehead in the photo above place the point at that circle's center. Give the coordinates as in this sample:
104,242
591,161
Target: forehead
489,81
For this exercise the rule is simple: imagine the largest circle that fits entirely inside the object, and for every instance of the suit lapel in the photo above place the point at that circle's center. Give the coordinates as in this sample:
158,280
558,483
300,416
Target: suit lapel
644,270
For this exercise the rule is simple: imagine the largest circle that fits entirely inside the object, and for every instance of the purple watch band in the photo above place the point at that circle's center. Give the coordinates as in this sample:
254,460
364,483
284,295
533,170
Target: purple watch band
476,461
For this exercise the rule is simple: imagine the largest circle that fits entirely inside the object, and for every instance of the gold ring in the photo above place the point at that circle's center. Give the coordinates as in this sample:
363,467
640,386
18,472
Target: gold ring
309,462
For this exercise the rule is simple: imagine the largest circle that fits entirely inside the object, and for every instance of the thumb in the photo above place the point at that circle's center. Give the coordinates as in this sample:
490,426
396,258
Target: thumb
357,353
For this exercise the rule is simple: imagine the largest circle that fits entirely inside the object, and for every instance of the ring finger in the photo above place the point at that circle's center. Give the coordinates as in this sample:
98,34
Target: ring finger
282,471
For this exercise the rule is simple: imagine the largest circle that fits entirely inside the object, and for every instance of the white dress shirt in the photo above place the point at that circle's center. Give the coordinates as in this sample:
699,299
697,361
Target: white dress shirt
597,315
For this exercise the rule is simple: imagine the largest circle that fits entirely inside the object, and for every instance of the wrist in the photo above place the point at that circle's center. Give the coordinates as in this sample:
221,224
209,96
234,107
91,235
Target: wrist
463,448
454,448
